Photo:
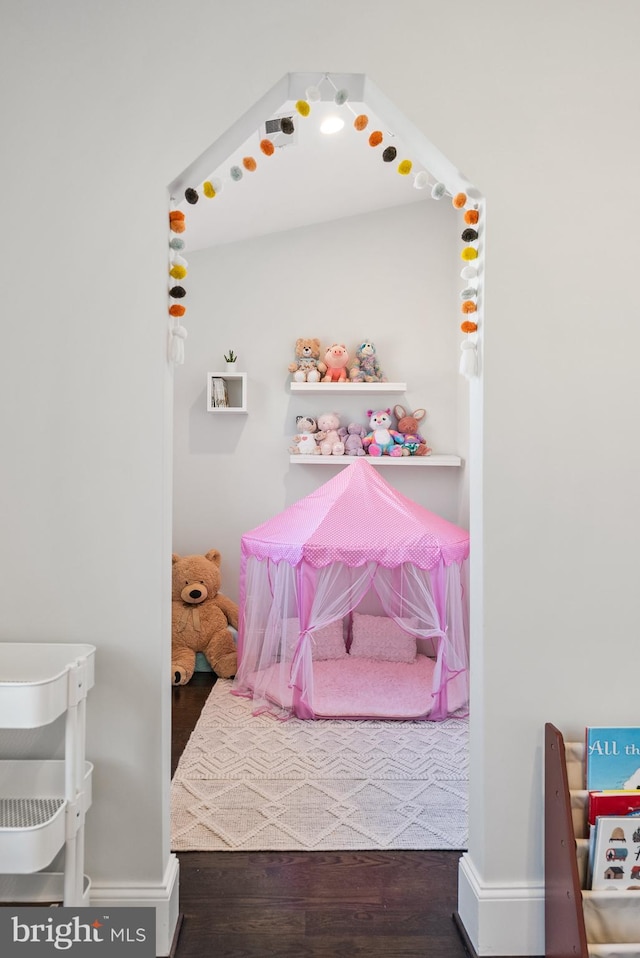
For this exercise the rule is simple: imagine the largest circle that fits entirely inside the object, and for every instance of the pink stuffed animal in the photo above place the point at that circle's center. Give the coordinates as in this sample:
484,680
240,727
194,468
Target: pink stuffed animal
329,439
336,359
382,440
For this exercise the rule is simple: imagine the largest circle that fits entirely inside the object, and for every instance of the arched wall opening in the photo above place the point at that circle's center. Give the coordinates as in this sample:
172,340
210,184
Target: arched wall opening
273,273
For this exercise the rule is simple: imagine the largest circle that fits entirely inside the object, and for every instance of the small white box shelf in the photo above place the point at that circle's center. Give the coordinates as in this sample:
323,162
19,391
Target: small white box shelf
43,803
235,389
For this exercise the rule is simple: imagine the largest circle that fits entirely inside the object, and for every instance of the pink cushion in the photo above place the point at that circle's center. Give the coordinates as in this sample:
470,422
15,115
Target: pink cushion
378,637
326,643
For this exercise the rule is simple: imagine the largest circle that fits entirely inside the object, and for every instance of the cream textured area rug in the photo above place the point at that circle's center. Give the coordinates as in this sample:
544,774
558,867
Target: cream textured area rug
253,783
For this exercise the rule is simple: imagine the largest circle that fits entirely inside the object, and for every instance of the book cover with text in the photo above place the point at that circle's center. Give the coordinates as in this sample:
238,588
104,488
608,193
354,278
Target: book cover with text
612,757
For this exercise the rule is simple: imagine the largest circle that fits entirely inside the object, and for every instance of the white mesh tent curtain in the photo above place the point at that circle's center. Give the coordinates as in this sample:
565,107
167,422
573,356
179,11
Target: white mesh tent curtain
316,561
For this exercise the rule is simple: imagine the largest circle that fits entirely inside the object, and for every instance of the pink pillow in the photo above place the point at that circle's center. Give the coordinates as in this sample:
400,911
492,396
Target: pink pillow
326,643
378,637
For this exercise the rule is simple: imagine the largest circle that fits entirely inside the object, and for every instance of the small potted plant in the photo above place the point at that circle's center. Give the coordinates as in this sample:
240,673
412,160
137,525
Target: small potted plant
231,359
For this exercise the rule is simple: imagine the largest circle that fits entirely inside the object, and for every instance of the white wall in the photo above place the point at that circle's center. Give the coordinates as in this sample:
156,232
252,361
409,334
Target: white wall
536,102
392,276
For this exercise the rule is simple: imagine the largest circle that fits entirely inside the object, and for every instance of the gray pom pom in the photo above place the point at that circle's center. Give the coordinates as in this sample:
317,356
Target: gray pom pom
236,173
438,191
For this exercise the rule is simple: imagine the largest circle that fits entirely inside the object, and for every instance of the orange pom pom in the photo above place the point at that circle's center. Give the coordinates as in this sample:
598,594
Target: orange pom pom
176,221
267,147
177,310
468,306
249,163
471,217
361,121
459,200
468,326
376,138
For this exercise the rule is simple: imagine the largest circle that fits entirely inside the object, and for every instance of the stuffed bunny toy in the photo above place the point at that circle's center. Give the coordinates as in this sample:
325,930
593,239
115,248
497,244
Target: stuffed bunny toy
413,444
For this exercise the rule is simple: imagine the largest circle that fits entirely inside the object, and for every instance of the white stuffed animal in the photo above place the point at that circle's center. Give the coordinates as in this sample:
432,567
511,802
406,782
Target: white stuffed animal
306,440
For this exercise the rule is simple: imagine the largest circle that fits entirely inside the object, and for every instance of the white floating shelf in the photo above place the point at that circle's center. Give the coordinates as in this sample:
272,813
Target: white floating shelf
432,460
348,387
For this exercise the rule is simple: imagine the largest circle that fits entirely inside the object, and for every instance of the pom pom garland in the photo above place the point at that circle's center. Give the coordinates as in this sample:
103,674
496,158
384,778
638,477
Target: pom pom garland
468,293
421,180
468,306
468,326
208,190
376,138
286,125
267,147
438,190
249,163
361,122
176,243
469,235
459,200
178,272
469,252
177,292
469,272
404,167
235,173
303,108
341,97
389,154
191,195
312,94
177,310
471,217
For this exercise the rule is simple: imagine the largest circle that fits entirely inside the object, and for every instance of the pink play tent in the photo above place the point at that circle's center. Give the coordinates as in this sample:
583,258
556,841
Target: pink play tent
354,604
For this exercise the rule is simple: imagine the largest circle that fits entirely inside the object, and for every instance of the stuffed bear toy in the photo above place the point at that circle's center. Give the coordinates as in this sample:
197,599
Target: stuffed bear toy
353,441
382,440
305,443
412,442
329,438
200,616
335,361
307,368
366,368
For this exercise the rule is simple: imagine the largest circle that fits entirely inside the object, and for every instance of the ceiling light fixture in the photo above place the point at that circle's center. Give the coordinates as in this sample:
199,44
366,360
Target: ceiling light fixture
331,124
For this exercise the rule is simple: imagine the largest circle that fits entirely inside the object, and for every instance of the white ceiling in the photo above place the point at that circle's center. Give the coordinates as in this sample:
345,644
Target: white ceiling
312,178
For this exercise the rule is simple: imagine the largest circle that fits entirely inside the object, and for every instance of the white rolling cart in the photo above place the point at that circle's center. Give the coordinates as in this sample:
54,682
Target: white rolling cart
43,803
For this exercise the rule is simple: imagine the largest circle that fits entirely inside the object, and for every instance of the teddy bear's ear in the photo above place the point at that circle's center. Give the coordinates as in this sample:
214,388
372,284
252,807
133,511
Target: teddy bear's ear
174,558
213,556
315,343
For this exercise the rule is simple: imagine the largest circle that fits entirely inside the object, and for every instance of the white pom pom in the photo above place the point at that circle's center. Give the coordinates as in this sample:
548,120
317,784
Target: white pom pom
176,347
469,272
312,94
468,359
421,180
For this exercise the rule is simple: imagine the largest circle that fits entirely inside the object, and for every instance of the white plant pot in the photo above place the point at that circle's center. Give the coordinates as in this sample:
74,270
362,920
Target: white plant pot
231,367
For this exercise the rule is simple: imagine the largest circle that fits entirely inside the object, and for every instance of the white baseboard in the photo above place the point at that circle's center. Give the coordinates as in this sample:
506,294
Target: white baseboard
500,919
163,897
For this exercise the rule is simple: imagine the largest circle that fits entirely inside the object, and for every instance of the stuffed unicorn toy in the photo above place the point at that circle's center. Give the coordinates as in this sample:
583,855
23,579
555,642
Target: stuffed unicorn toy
382,440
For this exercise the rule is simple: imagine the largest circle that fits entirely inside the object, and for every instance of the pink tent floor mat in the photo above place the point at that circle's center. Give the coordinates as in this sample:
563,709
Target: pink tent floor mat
360,688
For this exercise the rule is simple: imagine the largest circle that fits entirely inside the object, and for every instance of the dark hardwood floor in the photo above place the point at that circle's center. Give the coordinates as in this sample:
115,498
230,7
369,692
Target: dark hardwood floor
315,904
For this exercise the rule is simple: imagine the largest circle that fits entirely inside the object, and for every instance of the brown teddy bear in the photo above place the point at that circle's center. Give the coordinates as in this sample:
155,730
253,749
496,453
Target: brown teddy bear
200,616
307,368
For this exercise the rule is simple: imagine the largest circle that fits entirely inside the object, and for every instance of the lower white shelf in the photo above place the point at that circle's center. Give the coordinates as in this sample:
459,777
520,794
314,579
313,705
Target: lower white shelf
34,812
42,886
401,461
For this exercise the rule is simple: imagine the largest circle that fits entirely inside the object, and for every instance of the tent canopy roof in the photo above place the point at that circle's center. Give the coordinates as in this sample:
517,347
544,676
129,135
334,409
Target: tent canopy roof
357,517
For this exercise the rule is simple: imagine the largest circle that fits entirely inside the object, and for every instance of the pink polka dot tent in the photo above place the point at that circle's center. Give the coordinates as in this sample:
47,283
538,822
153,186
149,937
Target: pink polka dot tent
354,604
